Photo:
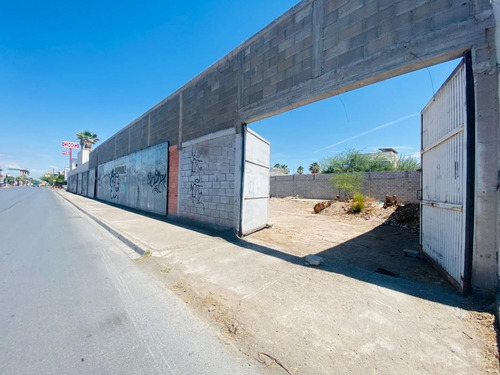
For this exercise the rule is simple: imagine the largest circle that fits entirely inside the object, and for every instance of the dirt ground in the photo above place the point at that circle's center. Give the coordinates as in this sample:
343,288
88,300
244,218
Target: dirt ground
363,240
340,318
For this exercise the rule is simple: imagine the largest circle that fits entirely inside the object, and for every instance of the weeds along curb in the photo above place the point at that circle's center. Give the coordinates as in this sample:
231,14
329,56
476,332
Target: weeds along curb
137,248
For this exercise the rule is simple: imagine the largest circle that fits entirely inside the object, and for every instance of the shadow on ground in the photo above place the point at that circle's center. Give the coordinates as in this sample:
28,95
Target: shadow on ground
335,261
376,257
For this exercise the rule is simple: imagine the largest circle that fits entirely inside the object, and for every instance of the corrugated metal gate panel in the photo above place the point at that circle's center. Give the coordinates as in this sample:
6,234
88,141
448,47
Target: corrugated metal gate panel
444,238
443,176
447,110
256,182
444,166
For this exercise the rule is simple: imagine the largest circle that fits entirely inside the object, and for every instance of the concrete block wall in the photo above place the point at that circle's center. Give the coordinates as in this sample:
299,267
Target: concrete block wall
122,143
138,180
324,47
210,104
403,184
315,50
164,121
93,160
102,154
137,137
321,48
279,57
208,192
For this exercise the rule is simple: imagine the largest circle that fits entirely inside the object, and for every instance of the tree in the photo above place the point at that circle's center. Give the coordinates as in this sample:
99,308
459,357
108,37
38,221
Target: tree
314,168
284,167
54,179
407,163
352,160
300,170
349,183
87,139
348,161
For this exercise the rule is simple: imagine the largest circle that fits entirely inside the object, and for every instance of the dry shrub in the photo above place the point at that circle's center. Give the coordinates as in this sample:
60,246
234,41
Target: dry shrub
358,203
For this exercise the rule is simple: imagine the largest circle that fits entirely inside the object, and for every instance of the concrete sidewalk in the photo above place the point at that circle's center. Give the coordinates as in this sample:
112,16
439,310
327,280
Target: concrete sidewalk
331,319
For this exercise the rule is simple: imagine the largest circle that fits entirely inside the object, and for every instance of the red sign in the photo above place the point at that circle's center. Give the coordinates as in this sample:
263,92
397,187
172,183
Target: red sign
68,144
65,152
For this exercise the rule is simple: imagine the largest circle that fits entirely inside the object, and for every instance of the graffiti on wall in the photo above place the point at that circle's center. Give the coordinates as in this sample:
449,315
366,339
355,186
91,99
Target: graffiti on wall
114,185
157,181
196,186
138,180
114,181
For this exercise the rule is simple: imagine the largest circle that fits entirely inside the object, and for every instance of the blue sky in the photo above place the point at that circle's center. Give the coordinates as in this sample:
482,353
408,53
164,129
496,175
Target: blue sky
384,114
66,67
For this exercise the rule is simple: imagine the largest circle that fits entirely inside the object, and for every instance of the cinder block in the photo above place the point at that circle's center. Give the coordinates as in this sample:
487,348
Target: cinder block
351,30
379,44
342,46
351,56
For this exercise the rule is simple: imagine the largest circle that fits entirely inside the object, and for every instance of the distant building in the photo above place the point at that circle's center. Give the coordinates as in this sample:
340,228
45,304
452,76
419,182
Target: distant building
278,171
387,154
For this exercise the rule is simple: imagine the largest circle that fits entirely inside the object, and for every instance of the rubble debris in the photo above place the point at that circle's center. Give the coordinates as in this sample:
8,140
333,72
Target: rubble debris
405,216
313,260
318,207
390,201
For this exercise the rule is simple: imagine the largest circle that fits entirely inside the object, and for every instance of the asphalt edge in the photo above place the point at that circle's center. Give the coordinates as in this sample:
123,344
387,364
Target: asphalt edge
134,246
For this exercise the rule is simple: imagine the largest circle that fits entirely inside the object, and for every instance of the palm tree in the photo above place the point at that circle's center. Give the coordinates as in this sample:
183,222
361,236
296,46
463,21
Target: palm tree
87,139
300,170
285,168
314,168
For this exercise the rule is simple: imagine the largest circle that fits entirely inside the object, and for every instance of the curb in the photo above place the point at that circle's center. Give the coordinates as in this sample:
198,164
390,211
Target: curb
137,248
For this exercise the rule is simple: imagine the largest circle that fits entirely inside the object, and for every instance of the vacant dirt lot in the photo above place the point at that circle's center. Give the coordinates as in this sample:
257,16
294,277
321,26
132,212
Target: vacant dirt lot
339,318
357,239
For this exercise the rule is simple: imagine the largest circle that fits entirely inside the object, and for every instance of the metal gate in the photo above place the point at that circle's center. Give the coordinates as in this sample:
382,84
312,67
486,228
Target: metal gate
256,181
447,173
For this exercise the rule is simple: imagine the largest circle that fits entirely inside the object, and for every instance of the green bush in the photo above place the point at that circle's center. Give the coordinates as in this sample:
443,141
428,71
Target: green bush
349,183
352,160
408,163
358,203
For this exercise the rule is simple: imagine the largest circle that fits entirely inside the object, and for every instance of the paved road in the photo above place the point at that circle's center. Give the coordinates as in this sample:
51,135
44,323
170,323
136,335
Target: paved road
72,301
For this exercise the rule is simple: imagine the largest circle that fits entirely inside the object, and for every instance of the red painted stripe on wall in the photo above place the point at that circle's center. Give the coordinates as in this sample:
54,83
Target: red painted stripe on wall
173,179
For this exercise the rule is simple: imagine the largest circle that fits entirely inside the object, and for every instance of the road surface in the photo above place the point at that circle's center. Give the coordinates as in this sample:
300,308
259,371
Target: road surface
73,302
